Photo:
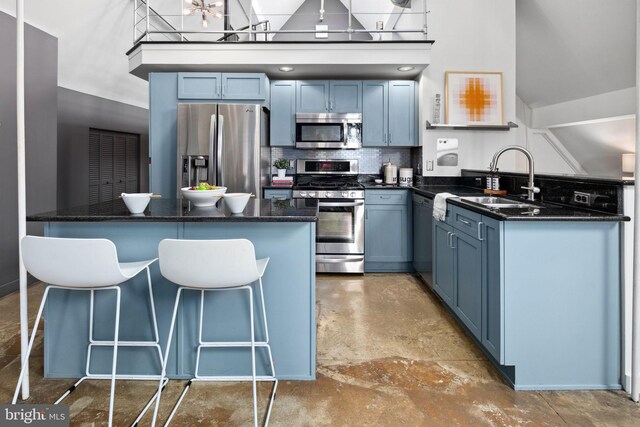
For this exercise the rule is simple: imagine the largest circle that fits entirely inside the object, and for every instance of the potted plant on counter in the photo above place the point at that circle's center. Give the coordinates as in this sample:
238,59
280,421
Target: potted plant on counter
282,165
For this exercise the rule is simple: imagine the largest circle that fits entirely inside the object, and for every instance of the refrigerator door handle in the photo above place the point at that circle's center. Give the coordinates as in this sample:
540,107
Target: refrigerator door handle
212,166
219,150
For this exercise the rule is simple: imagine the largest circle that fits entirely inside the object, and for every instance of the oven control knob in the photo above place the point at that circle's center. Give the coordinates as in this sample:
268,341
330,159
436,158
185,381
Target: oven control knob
328,194
345,194
353,194
303,194
312,194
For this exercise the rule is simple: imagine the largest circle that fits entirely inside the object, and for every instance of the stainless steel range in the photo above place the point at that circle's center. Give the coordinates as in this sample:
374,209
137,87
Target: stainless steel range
340,228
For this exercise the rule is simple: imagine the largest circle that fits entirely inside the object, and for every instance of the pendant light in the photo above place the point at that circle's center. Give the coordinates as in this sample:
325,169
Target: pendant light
204,9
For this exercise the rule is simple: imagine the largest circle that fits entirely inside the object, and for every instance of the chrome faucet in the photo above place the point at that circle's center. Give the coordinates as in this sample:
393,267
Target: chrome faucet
493,167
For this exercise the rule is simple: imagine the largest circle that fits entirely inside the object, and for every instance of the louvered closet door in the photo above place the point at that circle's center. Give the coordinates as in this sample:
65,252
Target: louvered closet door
133,164
114,166
106,167
119,165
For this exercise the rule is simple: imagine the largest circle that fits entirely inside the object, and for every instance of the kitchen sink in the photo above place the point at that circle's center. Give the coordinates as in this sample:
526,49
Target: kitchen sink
498,202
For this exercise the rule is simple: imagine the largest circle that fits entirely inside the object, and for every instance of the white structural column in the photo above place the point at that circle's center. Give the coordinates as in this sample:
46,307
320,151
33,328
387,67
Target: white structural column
22,204
635,341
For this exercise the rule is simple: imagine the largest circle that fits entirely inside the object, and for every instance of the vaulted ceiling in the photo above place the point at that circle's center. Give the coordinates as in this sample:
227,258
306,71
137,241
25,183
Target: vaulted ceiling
572,49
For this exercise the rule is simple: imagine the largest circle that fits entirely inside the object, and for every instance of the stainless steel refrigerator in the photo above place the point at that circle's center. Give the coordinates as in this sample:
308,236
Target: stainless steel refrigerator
224,145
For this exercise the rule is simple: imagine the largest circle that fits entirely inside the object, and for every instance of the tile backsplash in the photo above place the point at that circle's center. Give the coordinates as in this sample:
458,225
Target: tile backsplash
370,159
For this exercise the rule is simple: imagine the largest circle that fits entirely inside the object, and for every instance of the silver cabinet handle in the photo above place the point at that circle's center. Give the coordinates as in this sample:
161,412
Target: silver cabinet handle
366,214
464,221
449,234
452,245
480,230
389,137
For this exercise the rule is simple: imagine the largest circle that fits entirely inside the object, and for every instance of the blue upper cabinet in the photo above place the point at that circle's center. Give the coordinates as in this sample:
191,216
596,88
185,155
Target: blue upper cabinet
219,86
199,85
375,113
312,96
345,96
402,113
389,113
244,86
283,112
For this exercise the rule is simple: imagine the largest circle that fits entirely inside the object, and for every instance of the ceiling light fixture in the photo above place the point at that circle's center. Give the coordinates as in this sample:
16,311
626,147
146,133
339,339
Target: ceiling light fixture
200,7
405,68
286,69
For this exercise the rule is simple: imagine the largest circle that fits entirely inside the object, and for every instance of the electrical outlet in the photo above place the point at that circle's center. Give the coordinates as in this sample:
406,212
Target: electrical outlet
582,198
292,163
429,165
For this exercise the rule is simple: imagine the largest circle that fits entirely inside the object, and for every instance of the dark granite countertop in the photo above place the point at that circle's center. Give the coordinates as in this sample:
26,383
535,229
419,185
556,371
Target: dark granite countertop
175,210
374,186
542,211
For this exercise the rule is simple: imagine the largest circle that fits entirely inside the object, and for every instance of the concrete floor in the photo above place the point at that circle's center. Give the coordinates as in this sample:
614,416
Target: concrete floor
388,355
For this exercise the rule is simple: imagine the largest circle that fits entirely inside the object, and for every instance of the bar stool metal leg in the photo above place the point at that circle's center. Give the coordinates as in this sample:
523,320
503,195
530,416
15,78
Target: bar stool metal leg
166,356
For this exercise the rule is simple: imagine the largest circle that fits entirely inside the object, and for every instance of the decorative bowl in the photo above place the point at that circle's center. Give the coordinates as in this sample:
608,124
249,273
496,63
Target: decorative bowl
201,198
377,181
236,202
136,202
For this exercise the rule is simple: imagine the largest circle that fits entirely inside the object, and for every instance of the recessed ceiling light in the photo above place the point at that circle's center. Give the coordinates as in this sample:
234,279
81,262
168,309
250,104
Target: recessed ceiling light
286,69
405,68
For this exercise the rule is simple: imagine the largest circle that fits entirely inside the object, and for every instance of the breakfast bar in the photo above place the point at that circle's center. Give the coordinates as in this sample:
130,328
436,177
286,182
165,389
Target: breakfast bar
283,230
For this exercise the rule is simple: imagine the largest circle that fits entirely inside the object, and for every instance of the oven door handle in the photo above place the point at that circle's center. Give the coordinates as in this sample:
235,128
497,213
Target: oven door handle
341,204
347,258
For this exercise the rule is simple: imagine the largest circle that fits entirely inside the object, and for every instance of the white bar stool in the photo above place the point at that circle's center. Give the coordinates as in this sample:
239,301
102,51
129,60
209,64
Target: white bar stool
87,265
216,265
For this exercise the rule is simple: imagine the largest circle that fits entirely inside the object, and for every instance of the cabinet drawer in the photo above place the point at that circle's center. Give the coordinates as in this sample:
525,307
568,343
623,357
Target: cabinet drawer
385,197
465,220
277,194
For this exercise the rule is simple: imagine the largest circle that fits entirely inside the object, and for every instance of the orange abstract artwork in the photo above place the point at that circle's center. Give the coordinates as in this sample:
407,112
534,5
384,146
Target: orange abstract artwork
473,98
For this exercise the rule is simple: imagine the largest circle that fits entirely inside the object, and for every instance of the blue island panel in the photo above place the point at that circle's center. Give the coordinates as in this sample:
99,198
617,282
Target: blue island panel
562,304
289,285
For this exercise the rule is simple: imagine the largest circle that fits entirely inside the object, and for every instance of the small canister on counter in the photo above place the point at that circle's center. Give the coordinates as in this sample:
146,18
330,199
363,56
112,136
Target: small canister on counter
406,177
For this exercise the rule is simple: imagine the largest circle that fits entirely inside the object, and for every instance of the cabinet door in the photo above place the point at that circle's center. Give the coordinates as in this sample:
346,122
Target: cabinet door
119,165
346,96
422,234
199,85
244,86
312,96
402,110
386,237
468,281
443,262
491,235
283,113
375,111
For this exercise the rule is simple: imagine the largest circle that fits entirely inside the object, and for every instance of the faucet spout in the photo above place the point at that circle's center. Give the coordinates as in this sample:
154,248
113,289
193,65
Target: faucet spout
493,166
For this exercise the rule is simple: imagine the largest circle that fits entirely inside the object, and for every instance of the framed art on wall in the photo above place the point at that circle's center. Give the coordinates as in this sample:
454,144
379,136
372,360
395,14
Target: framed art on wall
473,98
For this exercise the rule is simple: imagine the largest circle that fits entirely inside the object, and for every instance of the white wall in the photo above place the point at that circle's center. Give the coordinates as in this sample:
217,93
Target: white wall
470,36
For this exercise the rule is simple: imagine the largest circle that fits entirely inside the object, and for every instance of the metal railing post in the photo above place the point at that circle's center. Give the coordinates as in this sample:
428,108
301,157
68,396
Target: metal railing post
147,2
350,29
251,35
424,19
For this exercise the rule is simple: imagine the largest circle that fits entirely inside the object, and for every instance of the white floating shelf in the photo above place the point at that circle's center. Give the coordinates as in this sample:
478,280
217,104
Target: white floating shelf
508,126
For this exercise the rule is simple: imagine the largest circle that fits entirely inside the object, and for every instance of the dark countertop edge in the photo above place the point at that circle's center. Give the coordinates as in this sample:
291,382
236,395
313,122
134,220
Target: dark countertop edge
102,219
504,217
277,187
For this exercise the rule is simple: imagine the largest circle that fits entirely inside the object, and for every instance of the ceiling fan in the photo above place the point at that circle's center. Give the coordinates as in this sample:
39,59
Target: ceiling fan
200,7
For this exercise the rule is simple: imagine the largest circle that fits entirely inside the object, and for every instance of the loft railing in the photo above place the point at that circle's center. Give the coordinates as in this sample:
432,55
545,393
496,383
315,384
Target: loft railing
246,20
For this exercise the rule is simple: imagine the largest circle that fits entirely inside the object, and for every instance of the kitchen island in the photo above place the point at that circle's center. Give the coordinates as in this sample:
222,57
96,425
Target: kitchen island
283,230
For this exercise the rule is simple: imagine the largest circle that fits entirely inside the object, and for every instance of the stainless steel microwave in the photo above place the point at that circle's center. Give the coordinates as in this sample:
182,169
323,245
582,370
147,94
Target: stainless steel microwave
329,130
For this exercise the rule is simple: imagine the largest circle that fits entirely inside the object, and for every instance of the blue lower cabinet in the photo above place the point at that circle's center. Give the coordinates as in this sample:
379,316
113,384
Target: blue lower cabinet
468,281
422,236
280,194
492,315
443,260
550,325
387,231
